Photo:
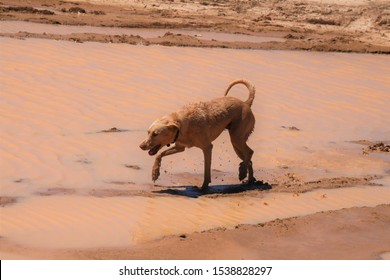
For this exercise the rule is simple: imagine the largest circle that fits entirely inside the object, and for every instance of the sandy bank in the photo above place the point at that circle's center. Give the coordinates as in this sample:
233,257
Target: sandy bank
305,25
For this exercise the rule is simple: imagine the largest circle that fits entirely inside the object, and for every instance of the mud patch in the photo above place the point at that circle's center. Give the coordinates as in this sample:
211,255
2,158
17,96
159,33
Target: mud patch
381,146
122,182
27,10
133,166
291,182
378,147
322,21
171,39
291,128
112,130
56,191
84,161
21,180
362,142
75,10
116,193
81,38
7,200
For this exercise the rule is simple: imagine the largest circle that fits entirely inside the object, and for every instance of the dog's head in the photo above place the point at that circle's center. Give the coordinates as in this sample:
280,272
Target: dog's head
162,132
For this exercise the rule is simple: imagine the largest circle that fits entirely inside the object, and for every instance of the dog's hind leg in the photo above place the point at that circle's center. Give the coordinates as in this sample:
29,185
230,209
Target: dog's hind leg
246,168
242,169
245,153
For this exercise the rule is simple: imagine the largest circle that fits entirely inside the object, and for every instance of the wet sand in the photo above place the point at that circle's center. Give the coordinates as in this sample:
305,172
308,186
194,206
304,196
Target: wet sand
325,235
342,26
354,233
75,185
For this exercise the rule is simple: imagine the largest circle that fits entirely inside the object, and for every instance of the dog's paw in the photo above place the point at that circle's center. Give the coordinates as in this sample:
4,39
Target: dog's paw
242,171
250,181
155,173
156,169
205,186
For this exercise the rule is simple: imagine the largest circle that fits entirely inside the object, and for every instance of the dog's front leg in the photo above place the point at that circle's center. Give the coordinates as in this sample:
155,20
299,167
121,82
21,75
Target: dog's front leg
207,151
157,163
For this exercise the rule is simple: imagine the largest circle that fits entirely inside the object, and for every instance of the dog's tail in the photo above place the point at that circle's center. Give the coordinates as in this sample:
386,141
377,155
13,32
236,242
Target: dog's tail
250,87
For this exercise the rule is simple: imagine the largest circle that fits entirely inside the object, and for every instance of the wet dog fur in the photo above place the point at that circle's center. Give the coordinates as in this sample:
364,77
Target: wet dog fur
199,124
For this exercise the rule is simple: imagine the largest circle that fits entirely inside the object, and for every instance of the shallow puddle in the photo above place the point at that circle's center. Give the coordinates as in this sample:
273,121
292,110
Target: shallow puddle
58,96
20,26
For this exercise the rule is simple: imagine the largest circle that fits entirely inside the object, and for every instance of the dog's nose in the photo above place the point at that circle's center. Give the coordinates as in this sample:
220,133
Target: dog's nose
143,146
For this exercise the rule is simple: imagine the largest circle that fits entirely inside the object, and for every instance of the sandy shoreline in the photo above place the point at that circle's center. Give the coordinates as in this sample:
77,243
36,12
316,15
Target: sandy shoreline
75,185
354,234
292,239
304,25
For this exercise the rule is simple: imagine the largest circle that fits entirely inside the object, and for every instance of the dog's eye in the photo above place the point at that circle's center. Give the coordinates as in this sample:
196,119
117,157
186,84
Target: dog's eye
154,133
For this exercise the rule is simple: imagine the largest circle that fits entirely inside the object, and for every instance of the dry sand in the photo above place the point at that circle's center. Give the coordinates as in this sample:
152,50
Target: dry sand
75,185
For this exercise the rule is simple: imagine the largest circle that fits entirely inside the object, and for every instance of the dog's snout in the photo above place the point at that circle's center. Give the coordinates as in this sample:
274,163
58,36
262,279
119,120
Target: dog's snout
143,146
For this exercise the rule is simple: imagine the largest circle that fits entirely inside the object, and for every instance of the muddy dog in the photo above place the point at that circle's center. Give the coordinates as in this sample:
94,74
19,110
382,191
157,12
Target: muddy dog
199,124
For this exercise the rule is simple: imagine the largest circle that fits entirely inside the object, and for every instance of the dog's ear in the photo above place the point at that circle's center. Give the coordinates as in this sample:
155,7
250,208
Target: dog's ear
173,124
174,127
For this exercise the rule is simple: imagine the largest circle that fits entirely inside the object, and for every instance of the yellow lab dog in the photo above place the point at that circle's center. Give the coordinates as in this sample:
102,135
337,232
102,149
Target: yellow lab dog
199,124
